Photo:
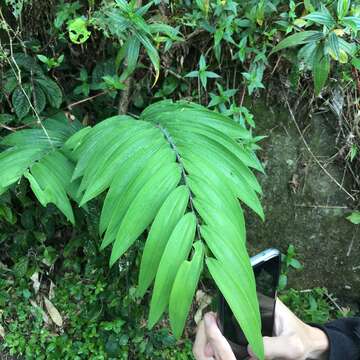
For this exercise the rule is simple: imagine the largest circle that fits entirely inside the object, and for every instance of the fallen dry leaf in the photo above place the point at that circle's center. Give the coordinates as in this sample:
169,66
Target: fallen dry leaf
53,312
2,331
43,313
51,290
36,283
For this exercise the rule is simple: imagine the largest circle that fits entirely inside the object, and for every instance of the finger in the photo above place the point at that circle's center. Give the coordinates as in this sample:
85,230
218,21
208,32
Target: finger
200,343
216,340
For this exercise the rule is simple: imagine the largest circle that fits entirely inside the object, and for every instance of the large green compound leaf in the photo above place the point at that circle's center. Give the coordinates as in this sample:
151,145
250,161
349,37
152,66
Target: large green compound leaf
181,170
178,175
40,156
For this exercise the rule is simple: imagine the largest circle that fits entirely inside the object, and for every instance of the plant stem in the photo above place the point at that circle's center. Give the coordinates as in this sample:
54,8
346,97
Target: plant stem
184,176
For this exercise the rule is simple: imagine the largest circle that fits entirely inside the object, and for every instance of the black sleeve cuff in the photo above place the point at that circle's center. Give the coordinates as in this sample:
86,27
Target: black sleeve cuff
344,338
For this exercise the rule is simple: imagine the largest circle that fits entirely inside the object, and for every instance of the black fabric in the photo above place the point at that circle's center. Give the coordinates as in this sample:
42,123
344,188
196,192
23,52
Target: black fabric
344,338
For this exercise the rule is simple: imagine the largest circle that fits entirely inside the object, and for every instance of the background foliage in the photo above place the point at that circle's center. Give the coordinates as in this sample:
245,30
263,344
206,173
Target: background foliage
95,59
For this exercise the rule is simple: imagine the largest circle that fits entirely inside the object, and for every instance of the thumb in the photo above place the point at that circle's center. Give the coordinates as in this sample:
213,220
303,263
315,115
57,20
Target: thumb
216,340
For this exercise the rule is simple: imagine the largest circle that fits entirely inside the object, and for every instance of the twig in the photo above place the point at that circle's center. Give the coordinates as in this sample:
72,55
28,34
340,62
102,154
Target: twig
276,65
70,106
333,301
242,96
322,206
312,154
13,129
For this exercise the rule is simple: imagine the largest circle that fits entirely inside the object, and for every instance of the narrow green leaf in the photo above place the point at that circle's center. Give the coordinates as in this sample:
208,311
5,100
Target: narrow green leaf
321,69
343,8
144,208
168,216
151,52
133,50
192,74
242,301
197,164
99,176
176,251
183,289
128,182
96,141
334,45
228,248
321,17
299,38
166,111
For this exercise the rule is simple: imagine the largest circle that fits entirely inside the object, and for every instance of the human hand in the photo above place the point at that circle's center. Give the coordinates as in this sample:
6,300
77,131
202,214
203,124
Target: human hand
210,343
293,339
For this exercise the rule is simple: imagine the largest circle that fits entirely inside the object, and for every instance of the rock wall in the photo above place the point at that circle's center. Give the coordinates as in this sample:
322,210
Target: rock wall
303,206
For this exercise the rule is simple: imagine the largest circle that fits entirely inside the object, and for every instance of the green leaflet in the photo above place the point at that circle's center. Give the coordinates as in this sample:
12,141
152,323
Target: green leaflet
133,49
127,188
176,251
246,157
37,157
242,301
218,206
49,180
334,45
299,38
201,144
354,217
95,141
342,8
151,52
99,176
228,249
144,208
166,111
321,69
183,289
168,216
322,17
16,161
198,165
